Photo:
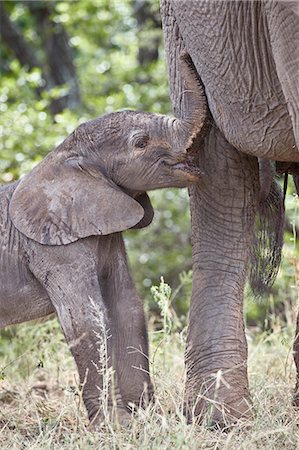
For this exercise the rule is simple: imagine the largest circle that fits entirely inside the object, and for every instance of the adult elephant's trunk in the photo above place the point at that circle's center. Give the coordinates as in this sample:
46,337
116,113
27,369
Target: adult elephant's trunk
193,111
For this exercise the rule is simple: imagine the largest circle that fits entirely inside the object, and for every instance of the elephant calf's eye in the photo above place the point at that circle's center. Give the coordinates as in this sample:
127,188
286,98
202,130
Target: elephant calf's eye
141,141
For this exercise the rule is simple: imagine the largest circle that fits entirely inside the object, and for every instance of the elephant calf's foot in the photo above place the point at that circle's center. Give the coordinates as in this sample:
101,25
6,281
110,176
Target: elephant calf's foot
219,406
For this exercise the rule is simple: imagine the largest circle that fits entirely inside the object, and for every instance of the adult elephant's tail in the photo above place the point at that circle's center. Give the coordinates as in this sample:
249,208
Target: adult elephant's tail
268,238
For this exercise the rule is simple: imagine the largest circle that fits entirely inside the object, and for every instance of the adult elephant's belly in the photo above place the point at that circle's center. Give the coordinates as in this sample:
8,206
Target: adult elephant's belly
259,125
230,45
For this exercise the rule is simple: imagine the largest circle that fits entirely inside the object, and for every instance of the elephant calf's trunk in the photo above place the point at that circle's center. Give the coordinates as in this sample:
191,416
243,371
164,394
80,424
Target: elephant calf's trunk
194,103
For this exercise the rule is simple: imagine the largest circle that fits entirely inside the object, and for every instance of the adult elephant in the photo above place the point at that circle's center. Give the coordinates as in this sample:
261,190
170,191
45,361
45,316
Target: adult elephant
247,55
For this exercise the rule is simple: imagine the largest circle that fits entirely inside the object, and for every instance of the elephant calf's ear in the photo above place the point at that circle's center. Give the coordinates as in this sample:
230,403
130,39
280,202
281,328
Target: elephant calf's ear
62,201
144,200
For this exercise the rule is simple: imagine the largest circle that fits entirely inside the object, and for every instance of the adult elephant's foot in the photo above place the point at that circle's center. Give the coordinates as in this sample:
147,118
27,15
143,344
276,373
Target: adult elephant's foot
118,416
220,401
296,396
296,360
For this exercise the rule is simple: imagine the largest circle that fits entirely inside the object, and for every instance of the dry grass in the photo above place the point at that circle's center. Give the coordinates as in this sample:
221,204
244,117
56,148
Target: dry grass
41,407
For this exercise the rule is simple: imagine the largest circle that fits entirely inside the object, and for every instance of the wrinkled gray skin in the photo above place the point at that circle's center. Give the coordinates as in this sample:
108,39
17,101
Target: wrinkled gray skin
61,248
247,55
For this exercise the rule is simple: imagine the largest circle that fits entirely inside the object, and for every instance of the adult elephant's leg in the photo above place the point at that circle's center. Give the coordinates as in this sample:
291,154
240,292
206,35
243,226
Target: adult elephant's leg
296,359
128,328
223,209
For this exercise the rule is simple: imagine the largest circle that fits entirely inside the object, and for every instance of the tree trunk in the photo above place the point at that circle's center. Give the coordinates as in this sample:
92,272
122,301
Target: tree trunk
13,38
58,68
148,22
59,55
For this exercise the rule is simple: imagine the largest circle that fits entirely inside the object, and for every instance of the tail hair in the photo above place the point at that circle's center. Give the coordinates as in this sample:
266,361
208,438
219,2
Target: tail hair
267,241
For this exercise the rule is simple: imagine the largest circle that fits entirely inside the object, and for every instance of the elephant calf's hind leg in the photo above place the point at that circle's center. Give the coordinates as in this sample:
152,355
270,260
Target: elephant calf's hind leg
129,331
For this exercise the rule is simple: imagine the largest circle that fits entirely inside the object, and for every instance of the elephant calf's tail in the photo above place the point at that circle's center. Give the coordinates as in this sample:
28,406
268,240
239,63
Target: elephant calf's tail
268,239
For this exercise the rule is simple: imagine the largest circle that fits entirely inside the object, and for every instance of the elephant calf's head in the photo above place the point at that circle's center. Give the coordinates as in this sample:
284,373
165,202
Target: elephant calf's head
95,181
142,151
139,151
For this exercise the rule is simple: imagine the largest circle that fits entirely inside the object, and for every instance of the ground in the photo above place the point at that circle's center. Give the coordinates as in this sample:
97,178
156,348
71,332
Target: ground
41,405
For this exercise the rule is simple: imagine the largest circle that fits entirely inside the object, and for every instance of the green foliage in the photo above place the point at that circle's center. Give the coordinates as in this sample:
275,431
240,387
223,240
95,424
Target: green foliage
161,295
164,247
27,129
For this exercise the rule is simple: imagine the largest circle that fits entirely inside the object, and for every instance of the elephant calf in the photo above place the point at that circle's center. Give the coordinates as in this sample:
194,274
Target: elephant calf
61,248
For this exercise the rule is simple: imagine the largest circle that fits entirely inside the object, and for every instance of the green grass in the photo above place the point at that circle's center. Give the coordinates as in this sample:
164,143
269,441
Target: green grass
41,405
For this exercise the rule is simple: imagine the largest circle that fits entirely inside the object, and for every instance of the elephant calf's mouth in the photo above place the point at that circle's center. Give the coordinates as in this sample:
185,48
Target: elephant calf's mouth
189,168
